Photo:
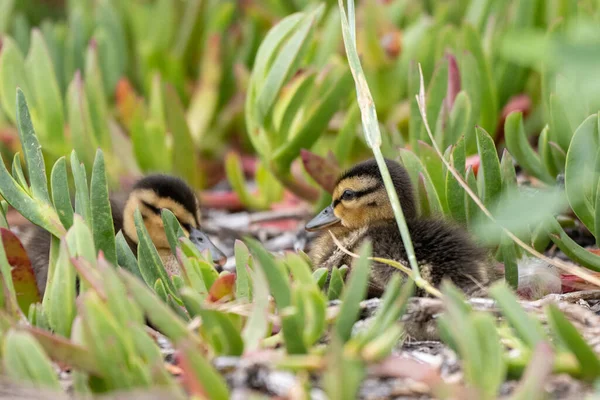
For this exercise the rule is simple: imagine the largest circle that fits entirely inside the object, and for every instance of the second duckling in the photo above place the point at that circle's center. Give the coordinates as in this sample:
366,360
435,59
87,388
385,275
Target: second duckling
150,194
362,210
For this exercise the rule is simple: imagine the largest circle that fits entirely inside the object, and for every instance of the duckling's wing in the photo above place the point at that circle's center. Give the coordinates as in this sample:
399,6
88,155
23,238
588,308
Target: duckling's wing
443,250
450,253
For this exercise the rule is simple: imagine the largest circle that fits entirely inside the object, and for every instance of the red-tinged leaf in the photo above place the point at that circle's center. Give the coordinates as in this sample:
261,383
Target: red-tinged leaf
200,379
473,161
453,82
520,103
321,169
223,287
127,101
392,43
221,200
572,283
22,273
190,382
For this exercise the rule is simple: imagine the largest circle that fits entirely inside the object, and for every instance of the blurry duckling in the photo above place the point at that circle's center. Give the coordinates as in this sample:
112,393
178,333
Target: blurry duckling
150,194
362,210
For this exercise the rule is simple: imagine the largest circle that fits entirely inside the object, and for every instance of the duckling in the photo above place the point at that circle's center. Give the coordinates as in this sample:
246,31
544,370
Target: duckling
361,210
151,194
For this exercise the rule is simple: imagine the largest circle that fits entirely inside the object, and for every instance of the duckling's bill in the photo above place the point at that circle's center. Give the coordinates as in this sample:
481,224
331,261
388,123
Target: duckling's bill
203,243
324,219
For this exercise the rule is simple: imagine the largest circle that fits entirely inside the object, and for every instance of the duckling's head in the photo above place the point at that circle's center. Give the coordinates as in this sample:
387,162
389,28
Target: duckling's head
360,198
153,193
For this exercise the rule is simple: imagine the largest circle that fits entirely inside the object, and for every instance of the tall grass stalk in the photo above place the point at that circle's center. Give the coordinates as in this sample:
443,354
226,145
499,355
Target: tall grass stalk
371,130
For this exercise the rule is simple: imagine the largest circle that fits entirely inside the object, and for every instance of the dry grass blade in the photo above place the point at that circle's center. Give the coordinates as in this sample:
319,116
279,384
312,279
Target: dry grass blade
577,271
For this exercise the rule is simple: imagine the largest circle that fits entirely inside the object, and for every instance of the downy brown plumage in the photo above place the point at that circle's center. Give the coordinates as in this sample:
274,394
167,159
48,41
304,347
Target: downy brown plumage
362,210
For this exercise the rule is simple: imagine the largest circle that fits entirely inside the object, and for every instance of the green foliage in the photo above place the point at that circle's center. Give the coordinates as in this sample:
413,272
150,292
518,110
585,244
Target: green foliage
161,87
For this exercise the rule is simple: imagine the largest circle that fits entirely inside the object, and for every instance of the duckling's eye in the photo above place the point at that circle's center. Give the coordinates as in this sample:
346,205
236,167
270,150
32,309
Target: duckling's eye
348,195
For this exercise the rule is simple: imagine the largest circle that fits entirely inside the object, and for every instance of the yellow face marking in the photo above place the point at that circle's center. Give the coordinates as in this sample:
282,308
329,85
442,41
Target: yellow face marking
153,221
365,209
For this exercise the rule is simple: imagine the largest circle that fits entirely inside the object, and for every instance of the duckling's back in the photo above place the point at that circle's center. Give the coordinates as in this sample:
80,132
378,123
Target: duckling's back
443,250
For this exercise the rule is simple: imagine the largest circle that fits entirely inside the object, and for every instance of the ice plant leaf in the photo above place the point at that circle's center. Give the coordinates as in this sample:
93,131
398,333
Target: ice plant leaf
491,181
125,256
25,360
527,328
82,196
61,197
336,284
572,249
588,359
59,300
157,311
242,281
354,293
580,174
200,377
518,145
172,227
256,325
280,289
12,76
102,220
151,266
32,151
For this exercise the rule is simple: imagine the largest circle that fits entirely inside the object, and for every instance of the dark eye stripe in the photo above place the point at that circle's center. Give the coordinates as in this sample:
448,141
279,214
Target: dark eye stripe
359,194
150,207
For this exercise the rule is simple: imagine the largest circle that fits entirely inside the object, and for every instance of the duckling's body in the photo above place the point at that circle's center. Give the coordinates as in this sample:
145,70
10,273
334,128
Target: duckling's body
361,210
151,194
